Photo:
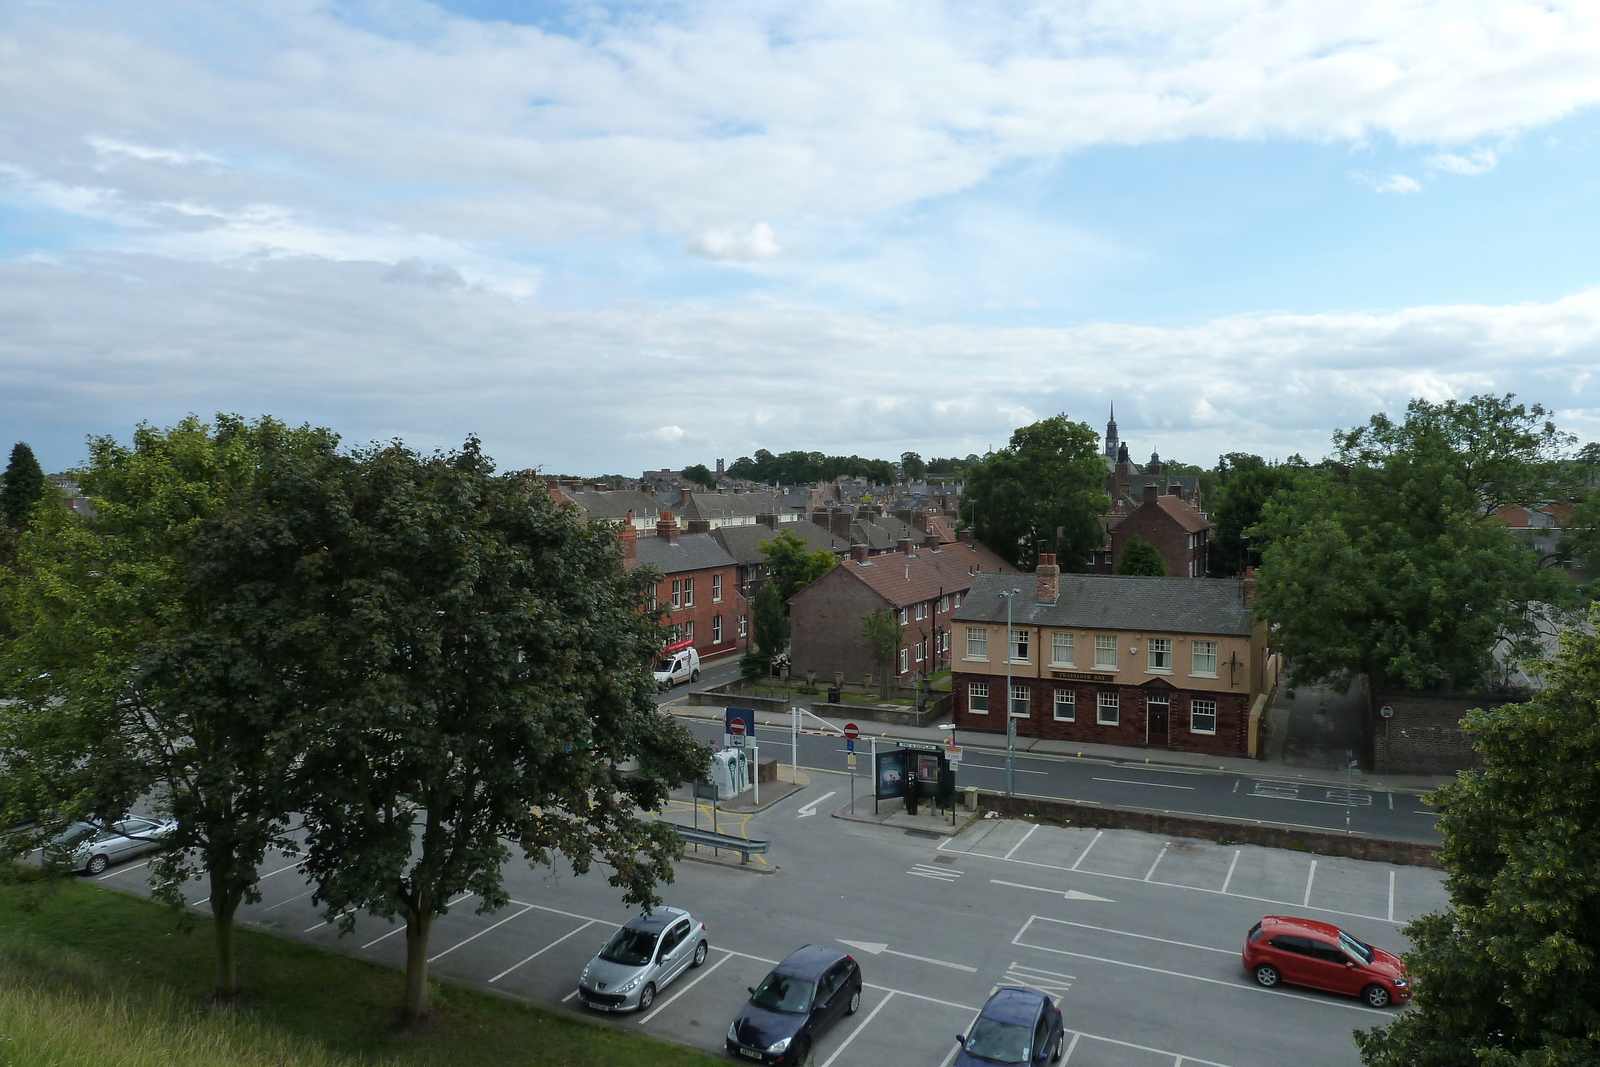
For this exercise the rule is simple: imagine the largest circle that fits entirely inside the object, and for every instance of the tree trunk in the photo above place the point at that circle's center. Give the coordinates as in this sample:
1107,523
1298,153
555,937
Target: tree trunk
418,1004
223,906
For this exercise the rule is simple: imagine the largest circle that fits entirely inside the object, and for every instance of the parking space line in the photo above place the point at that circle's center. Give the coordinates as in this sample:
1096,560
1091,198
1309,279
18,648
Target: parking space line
1098,834
1310,876
263,878
1025,836
1159,856
1125,933
401,928
862,1025
1231,865
568,914
569,996
291,900
1146,1048
1067,1055
122,870
1391,896
703,975
542,951
329,922
477,935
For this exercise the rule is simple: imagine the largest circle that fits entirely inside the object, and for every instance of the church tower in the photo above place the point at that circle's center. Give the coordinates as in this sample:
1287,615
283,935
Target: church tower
1112,441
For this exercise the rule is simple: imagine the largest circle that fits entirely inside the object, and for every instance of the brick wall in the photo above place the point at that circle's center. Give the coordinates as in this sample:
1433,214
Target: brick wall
1424,736
825,627
706,609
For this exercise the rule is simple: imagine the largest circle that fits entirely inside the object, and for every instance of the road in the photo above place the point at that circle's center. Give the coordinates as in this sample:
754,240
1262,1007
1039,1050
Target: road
1278,799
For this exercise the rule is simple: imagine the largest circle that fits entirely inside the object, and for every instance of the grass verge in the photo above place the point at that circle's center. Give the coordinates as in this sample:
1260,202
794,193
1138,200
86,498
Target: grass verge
89,976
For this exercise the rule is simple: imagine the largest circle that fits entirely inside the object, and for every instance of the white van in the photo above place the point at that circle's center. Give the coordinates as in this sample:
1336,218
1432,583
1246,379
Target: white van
678,662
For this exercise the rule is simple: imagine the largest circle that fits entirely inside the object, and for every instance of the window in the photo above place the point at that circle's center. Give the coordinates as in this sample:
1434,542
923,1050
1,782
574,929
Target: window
1061,650
977,642
944,641
944,603
654,590
716,588
688,592
905,656
688,630
1066,705
1019,646
1109,708
903,619
1202,716
1161,654
922,610
1105,651
978,698
920,646
744,625
1205,658
958,600
677,594
716,629
1020,698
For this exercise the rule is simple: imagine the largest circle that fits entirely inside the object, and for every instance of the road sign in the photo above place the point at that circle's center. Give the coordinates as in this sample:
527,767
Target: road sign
849,744
850,761
953,753
736,728
851,731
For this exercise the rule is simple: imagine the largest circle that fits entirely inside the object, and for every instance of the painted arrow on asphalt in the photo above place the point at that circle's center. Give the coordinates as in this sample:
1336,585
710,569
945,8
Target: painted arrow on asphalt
811,808
875,948
1068,894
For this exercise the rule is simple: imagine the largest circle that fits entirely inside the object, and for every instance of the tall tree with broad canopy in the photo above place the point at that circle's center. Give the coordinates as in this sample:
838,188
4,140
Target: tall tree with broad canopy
1043,492
1506,975
1391,563
25,483
1140,557
1245,484
912,467
700,474
126,669
476,676
771,622
792,566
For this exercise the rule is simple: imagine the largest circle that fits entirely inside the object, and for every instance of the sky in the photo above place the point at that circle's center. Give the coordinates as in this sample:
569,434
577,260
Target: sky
613,237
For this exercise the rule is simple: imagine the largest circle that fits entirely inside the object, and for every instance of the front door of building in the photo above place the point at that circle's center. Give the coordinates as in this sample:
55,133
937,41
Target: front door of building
1158,709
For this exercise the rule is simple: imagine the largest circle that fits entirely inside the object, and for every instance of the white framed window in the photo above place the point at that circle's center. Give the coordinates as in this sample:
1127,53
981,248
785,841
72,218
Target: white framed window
1105,651
655,591
944,603
1021,698
958,600
977,642
1160,655
688,592
1108,709
677,594
944,641
905,660
716,588
978,698
688,630
1061,649
716,629
744,625
1066,705
1202,716
904,617
920,646
1019,646
1205,659
922,610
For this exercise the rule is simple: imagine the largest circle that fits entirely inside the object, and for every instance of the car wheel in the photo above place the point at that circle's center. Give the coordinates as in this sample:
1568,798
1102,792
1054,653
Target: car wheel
700,951
647,996
802,1052
97,865
694,676
1376,995
855,1003
1267,975
1055,1057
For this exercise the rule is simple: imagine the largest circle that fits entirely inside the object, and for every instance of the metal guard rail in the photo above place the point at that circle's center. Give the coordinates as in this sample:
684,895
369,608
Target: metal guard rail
745,847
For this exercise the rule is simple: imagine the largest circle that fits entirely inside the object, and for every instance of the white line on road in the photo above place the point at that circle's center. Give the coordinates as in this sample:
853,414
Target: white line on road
122,870
1153,785
401,928
327,922
291,900
1065,894
1310,875
263,878
862,1025
1231,865
878,947
1391,801
480,933
1068,1054
1129,933
1097,835
542,951
569,996
1157,863
1236,785
700,978
1391,896
810,809
1025,836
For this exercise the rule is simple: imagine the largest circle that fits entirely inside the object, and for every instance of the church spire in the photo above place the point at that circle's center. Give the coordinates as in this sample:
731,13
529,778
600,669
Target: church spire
1112,441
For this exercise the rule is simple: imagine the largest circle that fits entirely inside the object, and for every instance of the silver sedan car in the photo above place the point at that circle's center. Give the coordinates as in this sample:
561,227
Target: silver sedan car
641,958
87,847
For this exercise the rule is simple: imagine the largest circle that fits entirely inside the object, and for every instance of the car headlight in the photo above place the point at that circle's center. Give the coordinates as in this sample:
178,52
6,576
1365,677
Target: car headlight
1401,983
780,1045
733,1031
627,986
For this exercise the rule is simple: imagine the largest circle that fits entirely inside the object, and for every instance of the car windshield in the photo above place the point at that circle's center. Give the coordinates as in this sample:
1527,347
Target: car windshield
1000,1042
664,665
1355,948
630,946
785,993
73,835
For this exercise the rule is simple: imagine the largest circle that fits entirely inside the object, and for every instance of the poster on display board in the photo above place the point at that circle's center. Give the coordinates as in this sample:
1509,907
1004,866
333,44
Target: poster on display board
890,775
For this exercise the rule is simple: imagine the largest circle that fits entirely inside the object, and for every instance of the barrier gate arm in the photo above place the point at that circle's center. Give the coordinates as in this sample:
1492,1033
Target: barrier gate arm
795,711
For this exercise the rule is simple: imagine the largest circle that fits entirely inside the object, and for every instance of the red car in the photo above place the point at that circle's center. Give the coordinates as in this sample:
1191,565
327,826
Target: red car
1322,956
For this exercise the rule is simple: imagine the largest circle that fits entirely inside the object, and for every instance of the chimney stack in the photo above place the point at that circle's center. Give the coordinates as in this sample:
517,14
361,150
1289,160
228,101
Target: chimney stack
906,545
1247,587
1150,493
699,526
839,522
667,527
1048,577
770,521
930,540
628,538
966,537
859,552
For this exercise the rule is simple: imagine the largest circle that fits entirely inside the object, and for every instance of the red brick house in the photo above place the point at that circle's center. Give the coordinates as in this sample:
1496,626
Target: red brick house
1163,663
699,584
1178,529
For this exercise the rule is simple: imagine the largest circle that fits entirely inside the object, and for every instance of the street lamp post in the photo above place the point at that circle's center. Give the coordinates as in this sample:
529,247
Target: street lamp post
950,726
1011,723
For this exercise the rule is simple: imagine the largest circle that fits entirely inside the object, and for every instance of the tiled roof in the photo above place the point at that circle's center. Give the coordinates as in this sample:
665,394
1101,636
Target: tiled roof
615,503
690,552
697,504
1187,514
744,542
1115,602
924,574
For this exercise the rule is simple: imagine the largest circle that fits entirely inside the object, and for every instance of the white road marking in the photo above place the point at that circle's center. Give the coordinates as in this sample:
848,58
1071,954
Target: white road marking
810,809
1391,896
1231,865
1051,982
1128,933
1310,876
1098,834
474,937
542,951
1018,845
1159,856
1154,785
879,948
263,878
329,922
1415,811
1066,894
1068,1054
122,870
1143,1048
1391,801
401,928
569,996
1236,785
702,976
942,874
291,900
862,1025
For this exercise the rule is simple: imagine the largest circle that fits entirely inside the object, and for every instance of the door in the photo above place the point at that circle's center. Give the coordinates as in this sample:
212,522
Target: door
833,993
1331,969
1292,958
675,951
1159,710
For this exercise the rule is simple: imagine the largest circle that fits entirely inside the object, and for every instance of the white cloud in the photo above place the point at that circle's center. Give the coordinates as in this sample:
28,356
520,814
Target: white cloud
758,242
1480,161
1388,183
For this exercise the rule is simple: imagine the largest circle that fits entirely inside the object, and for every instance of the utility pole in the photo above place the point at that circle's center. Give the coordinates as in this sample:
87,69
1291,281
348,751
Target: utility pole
1011,723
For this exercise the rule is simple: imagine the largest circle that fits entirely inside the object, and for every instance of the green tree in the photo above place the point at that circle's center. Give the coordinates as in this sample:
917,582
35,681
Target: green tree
792,566
912,467
1140,557
1238,503
1506,974
700,474
127,672
771,622
1043,492
1391,564
25,484
881,630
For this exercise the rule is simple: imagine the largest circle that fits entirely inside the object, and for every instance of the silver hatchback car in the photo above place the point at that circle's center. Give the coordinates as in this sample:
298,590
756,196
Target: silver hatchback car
641,958
87,847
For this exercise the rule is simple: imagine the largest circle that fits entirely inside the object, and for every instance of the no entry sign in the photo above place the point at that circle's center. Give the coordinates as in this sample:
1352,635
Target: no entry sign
852,731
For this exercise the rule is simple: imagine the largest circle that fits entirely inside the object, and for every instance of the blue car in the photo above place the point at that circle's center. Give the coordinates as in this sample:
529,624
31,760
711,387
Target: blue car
1016,1026
810,990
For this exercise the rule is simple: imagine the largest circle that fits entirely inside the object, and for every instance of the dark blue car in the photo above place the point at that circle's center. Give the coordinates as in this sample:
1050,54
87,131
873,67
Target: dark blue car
1017,1026
802,996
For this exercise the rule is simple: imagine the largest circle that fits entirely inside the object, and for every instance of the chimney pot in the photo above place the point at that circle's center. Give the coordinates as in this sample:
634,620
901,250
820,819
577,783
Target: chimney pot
906,545
699,526
667,527
859,552
1048,578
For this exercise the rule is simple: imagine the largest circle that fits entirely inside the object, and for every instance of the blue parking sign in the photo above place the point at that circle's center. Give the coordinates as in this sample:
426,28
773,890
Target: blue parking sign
849,744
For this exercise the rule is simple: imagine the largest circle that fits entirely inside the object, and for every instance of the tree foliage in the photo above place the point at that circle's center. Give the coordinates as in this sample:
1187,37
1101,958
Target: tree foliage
1244,486
1043,492
792,566
912,467
700,474
771,620
881,630
1140,557
801,468
1390,562
25,484
1506,975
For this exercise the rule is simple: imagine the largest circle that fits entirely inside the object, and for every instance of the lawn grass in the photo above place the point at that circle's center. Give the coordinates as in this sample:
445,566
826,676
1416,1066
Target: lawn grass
79,963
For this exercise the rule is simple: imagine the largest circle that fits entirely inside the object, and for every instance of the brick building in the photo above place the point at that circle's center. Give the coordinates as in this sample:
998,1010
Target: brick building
699,580
1145,662
1422,734
923,585
1166,520
744,543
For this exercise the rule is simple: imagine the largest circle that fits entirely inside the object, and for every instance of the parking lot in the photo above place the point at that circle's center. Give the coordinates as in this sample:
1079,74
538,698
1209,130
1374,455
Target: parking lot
1136,935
